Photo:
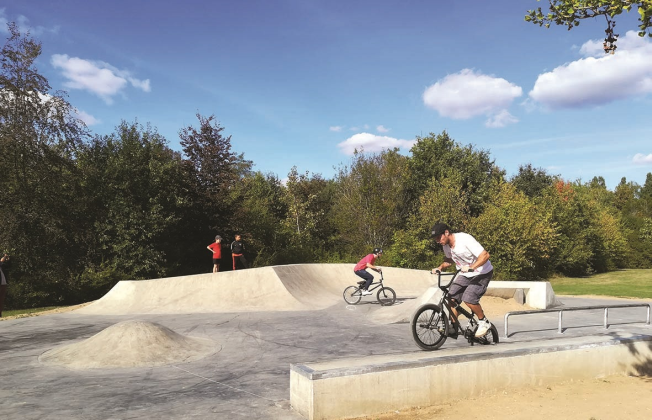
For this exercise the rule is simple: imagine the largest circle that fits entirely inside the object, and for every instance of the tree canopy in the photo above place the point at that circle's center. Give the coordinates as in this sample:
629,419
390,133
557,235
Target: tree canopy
569,13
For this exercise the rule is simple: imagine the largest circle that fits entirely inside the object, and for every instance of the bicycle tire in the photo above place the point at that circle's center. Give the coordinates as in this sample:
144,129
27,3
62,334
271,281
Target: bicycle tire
490,338
352,295
429,325
386,296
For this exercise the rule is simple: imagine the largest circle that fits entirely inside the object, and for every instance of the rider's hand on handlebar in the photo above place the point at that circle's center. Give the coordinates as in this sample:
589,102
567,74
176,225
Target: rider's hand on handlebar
436,271
465,269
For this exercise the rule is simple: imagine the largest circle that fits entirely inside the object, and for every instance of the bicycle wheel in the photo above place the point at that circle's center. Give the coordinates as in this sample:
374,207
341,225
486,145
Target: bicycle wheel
429,325
352,295
386,296
490,338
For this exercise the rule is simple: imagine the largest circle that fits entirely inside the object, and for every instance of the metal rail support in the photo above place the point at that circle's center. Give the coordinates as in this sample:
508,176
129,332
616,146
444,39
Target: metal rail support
578,308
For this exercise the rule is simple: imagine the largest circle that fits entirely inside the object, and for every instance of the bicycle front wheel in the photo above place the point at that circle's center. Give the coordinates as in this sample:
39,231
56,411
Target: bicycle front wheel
352,295
386,296
429,325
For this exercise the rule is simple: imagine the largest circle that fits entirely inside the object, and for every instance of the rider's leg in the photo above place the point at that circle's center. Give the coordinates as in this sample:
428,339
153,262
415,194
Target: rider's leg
367,277
476,309
471,298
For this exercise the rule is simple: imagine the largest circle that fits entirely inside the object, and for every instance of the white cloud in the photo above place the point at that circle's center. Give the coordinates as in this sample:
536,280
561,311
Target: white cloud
468,94
87,118
97,77
382,129
23,25
336,128
501,119
372,143
641,159
598,78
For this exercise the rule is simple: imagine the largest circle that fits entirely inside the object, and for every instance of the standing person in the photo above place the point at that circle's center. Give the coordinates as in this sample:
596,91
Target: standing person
471,259
3,282
237,252
216,249
360,269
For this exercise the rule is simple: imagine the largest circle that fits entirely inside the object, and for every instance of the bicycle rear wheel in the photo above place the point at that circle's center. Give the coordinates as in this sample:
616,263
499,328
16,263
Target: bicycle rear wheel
490,338
429,325
352,295
386,296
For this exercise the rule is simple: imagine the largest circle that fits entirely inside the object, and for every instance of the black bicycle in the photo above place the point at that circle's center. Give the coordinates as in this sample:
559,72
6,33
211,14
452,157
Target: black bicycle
431,325
386,295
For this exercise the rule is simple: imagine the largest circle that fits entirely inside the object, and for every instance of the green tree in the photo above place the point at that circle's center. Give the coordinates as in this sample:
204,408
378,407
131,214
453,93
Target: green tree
39,135
532,181
441,157
444,200
213,170
569,13
371,201
308,200
260,210
140,200
520,236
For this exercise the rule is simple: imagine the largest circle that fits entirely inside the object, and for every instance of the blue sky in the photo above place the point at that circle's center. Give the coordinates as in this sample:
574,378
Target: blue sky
304,82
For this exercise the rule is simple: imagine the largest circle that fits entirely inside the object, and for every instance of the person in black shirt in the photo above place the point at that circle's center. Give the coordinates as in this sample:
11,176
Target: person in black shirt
237,252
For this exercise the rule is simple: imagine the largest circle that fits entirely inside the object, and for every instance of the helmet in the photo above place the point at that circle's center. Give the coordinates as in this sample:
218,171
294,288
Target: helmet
378,251
218,237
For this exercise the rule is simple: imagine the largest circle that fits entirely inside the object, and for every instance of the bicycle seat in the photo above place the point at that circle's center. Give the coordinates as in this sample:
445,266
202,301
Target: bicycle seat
361,282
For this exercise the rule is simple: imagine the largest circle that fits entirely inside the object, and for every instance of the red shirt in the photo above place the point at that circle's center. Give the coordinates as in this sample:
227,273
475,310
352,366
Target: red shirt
371,259
217,250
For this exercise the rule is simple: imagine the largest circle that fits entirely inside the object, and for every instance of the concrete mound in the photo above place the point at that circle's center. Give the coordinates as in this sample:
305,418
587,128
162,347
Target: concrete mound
130,344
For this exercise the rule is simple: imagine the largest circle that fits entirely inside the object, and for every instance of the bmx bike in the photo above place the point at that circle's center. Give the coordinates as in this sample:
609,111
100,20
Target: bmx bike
431,325
386,295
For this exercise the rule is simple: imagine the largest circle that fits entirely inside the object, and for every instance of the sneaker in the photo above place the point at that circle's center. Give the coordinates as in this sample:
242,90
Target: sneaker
483,327
366,292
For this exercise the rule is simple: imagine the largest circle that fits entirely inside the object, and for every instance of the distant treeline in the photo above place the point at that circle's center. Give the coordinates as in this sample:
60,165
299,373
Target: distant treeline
80,212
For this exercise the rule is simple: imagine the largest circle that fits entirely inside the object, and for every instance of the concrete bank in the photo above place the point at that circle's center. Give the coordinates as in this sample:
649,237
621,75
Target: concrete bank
376,384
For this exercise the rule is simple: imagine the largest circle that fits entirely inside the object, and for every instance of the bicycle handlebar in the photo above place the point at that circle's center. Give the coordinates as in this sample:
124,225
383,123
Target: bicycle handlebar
454,275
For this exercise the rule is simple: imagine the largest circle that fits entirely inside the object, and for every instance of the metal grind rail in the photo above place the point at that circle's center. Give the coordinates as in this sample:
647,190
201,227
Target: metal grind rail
579,308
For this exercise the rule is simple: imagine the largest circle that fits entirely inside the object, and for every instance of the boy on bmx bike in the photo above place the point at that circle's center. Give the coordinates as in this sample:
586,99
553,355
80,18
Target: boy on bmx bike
360,269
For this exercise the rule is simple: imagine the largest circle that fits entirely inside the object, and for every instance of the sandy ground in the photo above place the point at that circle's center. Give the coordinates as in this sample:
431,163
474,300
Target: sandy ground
610,398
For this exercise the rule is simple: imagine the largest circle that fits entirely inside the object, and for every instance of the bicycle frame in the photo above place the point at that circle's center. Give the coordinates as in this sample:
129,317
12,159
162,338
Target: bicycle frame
447,302
377,284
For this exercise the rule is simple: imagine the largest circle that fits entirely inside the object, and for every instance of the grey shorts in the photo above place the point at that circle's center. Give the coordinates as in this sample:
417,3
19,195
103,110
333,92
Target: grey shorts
470,289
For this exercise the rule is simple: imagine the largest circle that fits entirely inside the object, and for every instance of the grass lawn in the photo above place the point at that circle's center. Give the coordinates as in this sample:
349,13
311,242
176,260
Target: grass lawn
622,283
16,312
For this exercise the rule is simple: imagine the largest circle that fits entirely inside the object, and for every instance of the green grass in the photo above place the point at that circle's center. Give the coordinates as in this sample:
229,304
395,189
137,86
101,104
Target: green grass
17,312
621,283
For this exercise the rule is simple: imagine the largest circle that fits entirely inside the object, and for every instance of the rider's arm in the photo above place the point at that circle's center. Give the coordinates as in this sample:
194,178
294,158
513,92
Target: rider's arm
373,267
482,259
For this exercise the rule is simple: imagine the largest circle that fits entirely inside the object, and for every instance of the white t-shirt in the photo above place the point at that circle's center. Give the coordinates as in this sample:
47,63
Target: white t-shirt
466,252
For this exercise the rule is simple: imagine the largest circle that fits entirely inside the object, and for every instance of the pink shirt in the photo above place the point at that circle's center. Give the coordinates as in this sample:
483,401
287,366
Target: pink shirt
371,259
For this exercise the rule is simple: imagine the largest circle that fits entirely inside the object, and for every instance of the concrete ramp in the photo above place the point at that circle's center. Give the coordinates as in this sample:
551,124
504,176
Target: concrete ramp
296,287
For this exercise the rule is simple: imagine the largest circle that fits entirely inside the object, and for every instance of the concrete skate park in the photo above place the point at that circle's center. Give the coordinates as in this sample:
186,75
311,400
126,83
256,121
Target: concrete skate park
281,343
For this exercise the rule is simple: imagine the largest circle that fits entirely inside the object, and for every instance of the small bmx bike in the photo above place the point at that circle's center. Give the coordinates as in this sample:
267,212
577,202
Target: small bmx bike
431,325
386,295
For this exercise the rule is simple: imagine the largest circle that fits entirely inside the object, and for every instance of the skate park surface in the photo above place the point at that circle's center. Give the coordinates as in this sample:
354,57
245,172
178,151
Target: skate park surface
225,346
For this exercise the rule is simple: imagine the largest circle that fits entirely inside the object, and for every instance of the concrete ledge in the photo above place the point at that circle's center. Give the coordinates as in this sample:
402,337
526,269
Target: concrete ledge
376,384
537,294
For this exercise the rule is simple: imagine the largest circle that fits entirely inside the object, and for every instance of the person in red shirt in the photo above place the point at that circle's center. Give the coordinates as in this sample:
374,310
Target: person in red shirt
360,269
216,249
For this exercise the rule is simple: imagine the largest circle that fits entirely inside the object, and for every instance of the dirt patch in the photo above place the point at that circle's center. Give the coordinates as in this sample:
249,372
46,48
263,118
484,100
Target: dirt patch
610,398
48,312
